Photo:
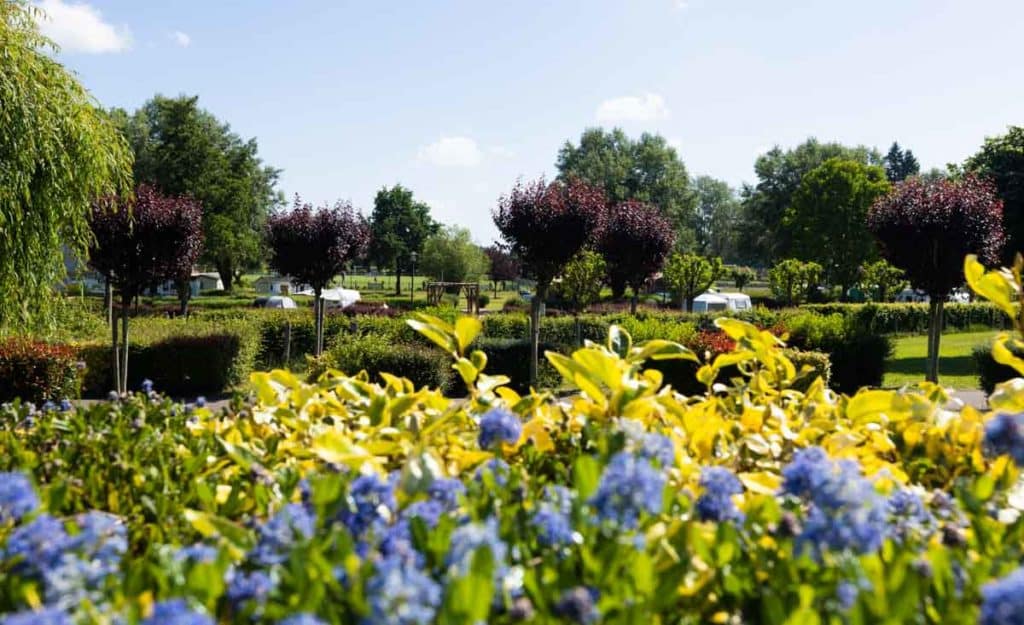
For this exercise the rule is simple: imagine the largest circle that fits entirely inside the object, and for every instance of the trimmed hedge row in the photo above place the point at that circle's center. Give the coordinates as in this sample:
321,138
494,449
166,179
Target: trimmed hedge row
913,318
37,371
857,354
374,354
682,374
990,372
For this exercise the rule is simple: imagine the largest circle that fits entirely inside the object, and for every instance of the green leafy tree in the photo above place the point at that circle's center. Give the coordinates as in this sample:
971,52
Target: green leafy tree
691,274
452,256
184,150
399,226
900,164
827,218
647,169
792,281
764,238
742,276
1001,160
882,280
717,217
58,153
581,284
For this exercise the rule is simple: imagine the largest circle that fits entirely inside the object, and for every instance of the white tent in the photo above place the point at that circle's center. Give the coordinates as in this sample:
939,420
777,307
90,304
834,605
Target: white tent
336,298
280,301
737,301
707,302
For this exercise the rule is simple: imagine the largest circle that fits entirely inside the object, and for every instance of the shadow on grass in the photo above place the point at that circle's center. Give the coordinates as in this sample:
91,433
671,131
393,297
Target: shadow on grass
950,365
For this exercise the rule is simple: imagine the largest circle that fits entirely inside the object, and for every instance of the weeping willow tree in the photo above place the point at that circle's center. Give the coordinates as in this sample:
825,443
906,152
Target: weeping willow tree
58,153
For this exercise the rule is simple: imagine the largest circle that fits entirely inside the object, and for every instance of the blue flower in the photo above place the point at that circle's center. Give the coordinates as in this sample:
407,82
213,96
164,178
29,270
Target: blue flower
467,539
805,472
401,594
577,606
908,516
847,593
46,616
176,612
1003,600
716,504
292,524
37,545
1004,435
196,554
49,406
497,469
65,405
17,497
554,527
371,504
659,448
147,386
243,587
101,536
497,426
446,491
629,486
200,402
844,510
301,619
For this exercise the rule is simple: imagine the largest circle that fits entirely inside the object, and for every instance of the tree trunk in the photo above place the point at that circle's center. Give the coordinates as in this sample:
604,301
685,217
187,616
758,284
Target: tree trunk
125,312
184,295
398,278
227,274
108,300
540,293
115,354
935,313
318,321
633,302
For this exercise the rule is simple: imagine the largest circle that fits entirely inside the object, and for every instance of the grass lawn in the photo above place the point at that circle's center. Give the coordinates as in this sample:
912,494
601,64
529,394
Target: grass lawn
956,367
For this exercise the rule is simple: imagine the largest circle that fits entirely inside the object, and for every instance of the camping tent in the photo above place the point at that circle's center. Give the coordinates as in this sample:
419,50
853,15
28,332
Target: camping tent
336,298
710,302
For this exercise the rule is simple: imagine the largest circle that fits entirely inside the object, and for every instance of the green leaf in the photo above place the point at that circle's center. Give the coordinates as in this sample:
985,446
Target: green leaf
466,331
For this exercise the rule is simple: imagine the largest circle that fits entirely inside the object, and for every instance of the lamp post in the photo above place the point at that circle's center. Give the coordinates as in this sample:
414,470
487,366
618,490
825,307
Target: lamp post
412,285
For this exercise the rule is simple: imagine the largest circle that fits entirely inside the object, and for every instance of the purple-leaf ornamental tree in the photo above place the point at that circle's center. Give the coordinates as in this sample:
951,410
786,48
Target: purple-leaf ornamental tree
504,266
138,243
635,243
544,226
926,227
313,246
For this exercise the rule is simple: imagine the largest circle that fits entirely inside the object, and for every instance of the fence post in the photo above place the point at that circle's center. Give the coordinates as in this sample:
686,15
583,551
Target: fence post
287,343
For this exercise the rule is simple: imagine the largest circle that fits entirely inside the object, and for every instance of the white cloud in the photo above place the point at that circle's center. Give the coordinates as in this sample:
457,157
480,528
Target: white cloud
182,39
642,108
78,27
452,152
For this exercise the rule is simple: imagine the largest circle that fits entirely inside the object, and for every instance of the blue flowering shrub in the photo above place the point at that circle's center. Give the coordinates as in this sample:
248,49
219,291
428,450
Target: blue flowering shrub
353,501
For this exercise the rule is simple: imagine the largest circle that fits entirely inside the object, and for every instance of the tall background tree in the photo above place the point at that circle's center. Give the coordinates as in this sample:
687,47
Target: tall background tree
927,227
635,242
182,149
764,238
827,218
503,266
58,153
399,226
647,169
545,225
742,276
691,275
314,246
581,284
1001,160
882,280
792,280
136,243
452,256
900,164
717,218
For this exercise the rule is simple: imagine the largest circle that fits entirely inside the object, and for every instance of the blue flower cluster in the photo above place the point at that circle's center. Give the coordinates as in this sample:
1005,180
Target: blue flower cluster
370,504
552,520
576,605
715,503
17,498
467,539
630,486
176,612
909,518
46,616
1004,435
844,510
401,593
1003,600
497,426
292,524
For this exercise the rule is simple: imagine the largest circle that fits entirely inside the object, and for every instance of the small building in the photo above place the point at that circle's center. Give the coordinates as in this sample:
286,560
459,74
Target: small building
275,285
199,282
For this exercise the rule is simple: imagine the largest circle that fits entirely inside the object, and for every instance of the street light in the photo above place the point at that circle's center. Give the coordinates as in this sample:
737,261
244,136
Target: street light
412,285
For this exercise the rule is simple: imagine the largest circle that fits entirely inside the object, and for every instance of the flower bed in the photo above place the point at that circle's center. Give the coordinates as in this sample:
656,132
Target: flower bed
348,501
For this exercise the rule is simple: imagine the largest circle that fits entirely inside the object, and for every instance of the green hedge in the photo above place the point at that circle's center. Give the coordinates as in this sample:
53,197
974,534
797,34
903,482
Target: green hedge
181,357
37,371
856,353
424,366
511,357
990,372
913,318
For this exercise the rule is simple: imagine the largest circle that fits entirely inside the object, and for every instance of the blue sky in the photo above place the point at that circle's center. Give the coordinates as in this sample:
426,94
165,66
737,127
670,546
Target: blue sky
457,99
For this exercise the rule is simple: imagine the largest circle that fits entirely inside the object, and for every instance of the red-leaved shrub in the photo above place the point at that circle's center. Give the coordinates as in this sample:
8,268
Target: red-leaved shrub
37,371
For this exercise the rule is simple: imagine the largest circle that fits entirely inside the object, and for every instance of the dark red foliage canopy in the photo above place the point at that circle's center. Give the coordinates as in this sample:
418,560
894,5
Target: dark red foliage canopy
504,266
545,224
927,227
635,243
151,238
313,246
